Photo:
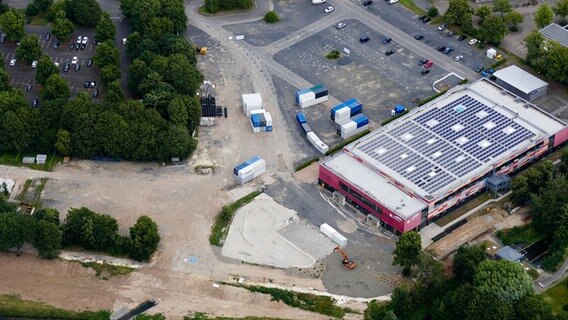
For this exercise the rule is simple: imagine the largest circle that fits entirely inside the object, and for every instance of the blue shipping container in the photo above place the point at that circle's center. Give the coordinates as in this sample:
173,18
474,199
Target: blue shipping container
334,109
239,167
301,118
268,128
252,160
306,127
361,120
255,118
356,109
399,108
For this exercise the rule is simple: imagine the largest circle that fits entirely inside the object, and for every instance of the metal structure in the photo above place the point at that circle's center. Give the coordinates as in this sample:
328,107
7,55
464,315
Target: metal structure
345,260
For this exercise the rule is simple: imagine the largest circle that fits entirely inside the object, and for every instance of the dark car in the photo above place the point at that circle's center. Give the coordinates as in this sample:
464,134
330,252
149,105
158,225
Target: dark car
367,2
418,37
450,33
421,18
89,63
29,87
364,39
387,40
425,72
66,67
462,37
71,46
441,48
479,69
83,46
426,20
47,36
389,52
57,44
86,84
3,38
95,93
77,46
77,67
95,42
35,103
422,61
448,50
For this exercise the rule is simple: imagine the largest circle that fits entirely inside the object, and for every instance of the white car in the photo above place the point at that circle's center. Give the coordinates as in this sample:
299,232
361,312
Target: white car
340,25
79,38
393,1
123,40
458,58
12,62
74,60
57,64
85,39
472,42
34,64
329,9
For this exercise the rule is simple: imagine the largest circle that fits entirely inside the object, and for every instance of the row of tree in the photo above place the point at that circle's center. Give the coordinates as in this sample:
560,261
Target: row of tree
547,57
546,187
82,227
481,289
214,6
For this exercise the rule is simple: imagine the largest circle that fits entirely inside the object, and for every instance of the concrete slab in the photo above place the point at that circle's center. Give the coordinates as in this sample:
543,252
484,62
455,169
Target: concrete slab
253,236
429,232
308,238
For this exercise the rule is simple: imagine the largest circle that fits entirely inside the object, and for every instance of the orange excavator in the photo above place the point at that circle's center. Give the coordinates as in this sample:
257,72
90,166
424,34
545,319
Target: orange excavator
347,263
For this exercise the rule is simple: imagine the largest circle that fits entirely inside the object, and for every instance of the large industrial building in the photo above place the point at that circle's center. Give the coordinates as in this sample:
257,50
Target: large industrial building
415,169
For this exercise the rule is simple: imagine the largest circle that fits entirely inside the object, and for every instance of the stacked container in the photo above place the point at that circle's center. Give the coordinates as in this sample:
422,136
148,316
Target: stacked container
353,126
252,101
260,121
301,119
346,110
249,169
314,95
316,142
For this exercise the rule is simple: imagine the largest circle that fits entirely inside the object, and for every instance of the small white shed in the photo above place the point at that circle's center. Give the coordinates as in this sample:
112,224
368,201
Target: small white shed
491,53
40,158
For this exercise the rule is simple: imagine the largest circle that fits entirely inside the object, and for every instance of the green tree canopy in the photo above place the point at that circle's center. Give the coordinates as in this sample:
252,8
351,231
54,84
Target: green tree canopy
459,12
493,30
487,306
175,11
408,251
106,31
548,206
29,49
561,9
403,302
12,23
42,5
49,215
56,88
86,12
502,6
467,258
513,18
15,133
45,68
145,238
109,74
532,307
107,55
62,28
63,144
483,12
114,94
503,279
4,81
543,16
48,239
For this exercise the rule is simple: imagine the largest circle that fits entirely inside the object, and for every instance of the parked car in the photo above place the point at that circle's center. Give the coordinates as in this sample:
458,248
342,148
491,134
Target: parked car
387,40
56,64
12,62
364,39
86,84
71,46
428,64
450,33
392,1
425,72
389,52
35,103
34,64
472,42
367,3
66,67
77,67
442,27
95,93
421,18
462,37
47,36
77,47
83,46
56,44
79,38
74,60
426,20
421,62
448,50
479,69
29,87
458,58
85,40
124,41
93,84
418,37
89,63
340,25
441,48
329,9
3,38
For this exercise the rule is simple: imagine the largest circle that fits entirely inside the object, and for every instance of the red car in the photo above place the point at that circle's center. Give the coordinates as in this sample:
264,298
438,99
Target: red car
428,64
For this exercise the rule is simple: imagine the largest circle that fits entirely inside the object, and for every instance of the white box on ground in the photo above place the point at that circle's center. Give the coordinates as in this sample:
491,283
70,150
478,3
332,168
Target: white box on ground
326,229
312,137
338,238
252,101
321,146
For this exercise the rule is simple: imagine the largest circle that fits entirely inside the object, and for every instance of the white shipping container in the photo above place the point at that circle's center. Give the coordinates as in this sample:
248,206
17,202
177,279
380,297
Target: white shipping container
322,147
312,137
252,100
258,173
308,96
354,132
259,164
245,180
342,114
245,171
338,238
313,102
248,110
255,111
268,118
326,229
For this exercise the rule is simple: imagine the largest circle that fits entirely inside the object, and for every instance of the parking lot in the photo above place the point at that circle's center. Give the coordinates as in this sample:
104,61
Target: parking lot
21,74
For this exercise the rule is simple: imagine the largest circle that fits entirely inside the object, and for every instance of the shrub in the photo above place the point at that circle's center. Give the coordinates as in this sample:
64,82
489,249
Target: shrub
32,10
525,234
271,17
333,54
433,12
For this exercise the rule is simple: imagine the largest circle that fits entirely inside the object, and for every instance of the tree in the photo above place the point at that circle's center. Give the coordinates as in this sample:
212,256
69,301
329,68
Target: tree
42,5
520,193
467,258
12,23
63,144
45,68
459,12
145,238
543,15
403,302
62,28
109,74
487,306
158,27
87,12
48,239
56,88
271,17
4,81
548,206
15,135
493,30
505,280
175,11
531,307
563,168
502,6
106,31
114,94
561,9
49,215
29,49
107,55
513,18
99,232
408,251
483,12
433,12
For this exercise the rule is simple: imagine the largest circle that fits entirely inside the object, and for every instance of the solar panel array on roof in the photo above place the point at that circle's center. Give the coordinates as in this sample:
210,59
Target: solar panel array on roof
443,144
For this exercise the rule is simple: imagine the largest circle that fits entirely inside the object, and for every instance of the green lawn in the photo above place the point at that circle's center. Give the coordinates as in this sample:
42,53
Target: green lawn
412,7
39,20
557,297
12,305
15,159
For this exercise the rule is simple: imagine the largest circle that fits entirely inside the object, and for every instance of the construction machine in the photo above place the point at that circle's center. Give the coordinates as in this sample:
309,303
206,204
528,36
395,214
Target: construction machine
347,263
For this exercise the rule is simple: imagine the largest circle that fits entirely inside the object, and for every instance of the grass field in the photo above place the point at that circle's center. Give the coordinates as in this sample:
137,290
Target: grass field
412,7
12,305
105,271
557,297
11,159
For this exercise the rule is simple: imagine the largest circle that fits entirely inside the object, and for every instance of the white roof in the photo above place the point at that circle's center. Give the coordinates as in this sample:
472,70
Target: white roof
252,99
520,79
374,185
